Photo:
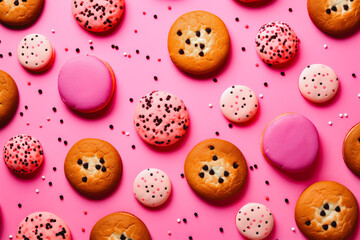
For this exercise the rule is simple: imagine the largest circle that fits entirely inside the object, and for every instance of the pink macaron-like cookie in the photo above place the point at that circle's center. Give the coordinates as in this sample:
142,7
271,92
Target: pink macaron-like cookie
318,83
239,104
161,118
86,84
35,53
43,225
97,15
23,154
254,221
152,187
290,142
276,43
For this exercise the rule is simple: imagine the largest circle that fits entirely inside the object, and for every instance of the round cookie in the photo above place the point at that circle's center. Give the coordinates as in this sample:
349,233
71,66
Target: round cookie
97,15
120,225
9,98
318,83
215,169
351,149
93,167
152,187
276,43
326,211
20,13
161,118
36,53
86,84
198,43
43,225
23,154
335,17
290,142
254,221
239,104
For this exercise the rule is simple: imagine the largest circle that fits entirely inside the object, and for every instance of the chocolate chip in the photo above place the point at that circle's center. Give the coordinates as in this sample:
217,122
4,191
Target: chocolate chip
337,209
208,30
202,46
179,33
201,54
325,227
328,11
187,41
79,161
102,161
86,165
84,179
211,172
212,147
334,8
322,213
215,158
198,34
326,206
98,167
346,7
201,175
307,223
205,167
226,173
103,169
235,165
221,180
181,51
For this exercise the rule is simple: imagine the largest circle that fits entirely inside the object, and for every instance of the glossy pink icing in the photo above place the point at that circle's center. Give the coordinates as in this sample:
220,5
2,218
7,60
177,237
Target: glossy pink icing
239,103
161,118
35,52
152,187
318,83
276,43
23,154
45,225
254,221
97,15
290,142
85,84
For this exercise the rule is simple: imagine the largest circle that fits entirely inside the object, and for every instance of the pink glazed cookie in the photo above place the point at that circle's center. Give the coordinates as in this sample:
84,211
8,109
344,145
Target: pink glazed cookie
161,118
276,43
239,104
290,142
43,225
254,221
318,83
97,15
152,187
86,84
36,53
23,154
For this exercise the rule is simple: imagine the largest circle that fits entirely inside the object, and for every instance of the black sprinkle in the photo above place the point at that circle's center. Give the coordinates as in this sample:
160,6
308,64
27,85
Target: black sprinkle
111,126
182,175
10,54
282,74
184,220
265,84
267,182
54,109
353,75
221,229
255,166
54,168
290,10
19,205
59,139
217,133
243,49
61,121
155,78
21,114
50,184
77,50
147,57
40,91
215,80
286,200
61,197
133,146
65,142
155,16
251,168
237,19
131,100
195,214
230,125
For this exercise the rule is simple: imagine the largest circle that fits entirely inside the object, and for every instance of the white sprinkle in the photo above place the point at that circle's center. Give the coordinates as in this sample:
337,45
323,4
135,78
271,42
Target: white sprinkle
127,133
169,233
43,177
330,123
37,190
125,54
359,95
261,96
48,119
341,115
293,229
345,115
10,236
90,41
325,46
53,30
210,105
178,220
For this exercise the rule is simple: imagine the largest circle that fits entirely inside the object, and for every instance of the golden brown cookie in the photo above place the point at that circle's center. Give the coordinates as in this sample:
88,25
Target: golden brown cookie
93,167
335,16
351,149
198,43
20,13
120,225
9,98
215,169
326,211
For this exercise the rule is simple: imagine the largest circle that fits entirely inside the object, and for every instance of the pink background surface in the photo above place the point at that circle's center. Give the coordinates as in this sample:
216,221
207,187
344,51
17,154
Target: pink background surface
135,78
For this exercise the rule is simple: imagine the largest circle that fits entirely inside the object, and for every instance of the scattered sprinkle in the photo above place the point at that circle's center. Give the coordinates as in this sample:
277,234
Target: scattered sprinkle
190,238
293,229
184,220
267,182
169,233
111,126
54,168
246,26
40,91
325,46
290,10
19,205
10,237
65,143
215,80
53,30
265,84
237,19
195,214
341,115
221,229
40,126
255,166
50,184
243,49
330,123
127,134
282,73
147,57
43,177
251,168
133,146
345,115
85,212
230,125
37,190
178,220
182,175
217,133
169,7
90,42
155,78
54,109
77,50
354,75
61,197
155,16
83,229
266,198
261,96
286,200
210,105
